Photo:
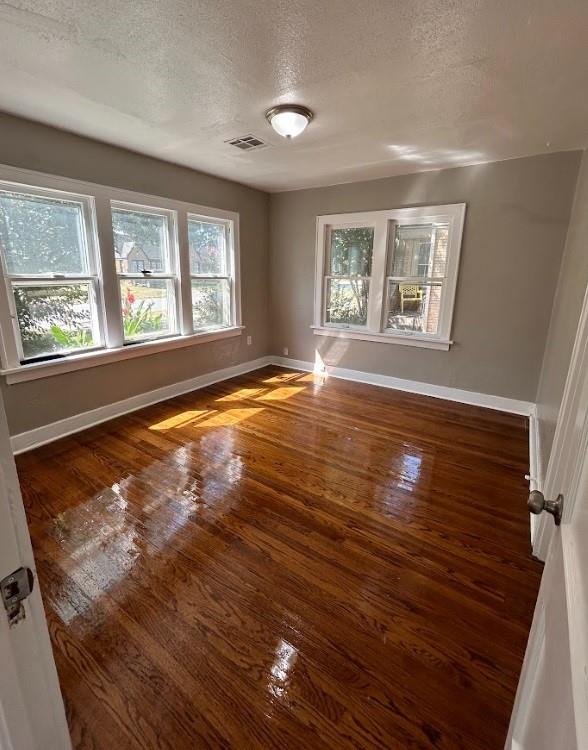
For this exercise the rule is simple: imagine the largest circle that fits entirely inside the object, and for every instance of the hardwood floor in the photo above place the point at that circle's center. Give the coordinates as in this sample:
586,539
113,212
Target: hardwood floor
276,562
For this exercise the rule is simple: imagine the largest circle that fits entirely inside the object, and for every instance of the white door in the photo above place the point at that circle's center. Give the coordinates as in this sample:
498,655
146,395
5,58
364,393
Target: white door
32,715
551,707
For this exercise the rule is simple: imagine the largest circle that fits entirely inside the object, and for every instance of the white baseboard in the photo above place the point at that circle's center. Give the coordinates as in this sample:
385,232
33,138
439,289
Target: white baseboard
25,441
535,467
500,403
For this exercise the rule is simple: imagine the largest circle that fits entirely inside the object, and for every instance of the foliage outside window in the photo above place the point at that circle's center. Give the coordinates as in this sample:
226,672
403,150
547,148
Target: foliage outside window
54,318
145,269
348,281
77,282
44,239
209,269
389,275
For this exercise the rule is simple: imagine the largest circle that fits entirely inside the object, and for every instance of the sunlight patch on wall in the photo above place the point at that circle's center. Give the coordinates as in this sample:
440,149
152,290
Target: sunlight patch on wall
320,367
331,354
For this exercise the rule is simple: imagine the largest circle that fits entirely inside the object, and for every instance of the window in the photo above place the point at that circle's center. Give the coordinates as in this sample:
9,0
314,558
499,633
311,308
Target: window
210,274
418,262
146,271
389,275
348,278
50,269
93,274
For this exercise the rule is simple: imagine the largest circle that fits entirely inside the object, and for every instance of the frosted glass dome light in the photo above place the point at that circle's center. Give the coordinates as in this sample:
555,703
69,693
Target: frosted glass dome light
289,120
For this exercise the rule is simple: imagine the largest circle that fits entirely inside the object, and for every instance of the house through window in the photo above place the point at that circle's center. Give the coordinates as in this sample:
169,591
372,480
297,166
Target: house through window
389,275
142,240
418,260
88,268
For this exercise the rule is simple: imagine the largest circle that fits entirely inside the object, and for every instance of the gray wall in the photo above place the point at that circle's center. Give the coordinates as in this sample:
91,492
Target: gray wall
34,146
517,217
516,221
567,306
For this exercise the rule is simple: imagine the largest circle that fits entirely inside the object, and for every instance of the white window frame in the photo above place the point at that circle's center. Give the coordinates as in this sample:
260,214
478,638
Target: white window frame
171,274
12,344
384,223
99,226
367,224
229,264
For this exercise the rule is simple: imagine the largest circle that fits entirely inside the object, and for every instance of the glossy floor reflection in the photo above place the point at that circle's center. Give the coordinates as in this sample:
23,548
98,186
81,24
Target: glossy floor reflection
278,561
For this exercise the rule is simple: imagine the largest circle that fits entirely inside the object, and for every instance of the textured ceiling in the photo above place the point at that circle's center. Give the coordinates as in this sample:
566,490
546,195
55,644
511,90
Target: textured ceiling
397,86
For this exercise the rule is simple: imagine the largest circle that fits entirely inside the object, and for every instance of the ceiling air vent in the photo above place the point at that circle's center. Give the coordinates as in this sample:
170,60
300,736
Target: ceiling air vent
247,142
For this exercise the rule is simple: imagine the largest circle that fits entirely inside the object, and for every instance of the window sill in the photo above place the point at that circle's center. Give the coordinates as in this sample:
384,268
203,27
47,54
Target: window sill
406,339
105,356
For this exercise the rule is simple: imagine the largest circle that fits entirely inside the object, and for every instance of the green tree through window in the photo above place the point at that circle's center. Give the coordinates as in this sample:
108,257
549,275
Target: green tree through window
350,264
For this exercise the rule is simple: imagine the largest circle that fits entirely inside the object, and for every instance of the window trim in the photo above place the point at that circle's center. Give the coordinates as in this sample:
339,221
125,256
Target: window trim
100,233
172,273
229,268
384,223
11,349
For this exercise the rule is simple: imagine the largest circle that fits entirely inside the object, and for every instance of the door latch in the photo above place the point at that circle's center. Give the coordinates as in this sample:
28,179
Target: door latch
537,504
14,589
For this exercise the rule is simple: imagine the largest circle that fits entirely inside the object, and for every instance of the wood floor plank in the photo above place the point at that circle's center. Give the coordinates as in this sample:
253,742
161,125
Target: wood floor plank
283,561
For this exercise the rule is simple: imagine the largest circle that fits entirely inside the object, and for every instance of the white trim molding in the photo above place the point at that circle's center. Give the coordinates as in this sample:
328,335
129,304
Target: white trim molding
568,433
535,463
103,276
406,339
379,273
26,441
485,400
535,475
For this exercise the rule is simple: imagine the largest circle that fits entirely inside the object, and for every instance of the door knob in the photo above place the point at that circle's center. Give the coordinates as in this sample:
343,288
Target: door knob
537,503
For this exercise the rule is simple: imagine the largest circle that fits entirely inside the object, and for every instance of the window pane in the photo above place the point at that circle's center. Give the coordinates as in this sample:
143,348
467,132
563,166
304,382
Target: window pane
207,247
347,301
147,308
41,235
211,304
54,318
140,241
420,250
414,307
351,251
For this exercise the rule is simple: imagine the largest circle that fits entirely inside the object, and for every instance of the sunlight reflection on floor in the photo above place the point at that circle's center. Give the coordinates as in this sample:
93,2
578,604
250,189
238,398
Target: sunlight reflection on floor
309,378
282,378
229,417
280,674
242,394
223,418
179,420
280,394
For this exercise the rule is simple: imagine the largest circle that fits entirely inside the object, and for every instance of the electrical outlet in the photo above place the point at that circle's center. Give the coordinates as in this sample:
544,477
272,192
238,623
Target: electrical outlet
249,340
285,351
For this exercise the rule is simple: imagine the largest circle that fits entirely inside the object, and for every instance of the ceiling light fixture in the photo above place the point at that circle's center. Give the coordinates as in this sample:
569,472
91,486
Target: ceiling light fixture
289,120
